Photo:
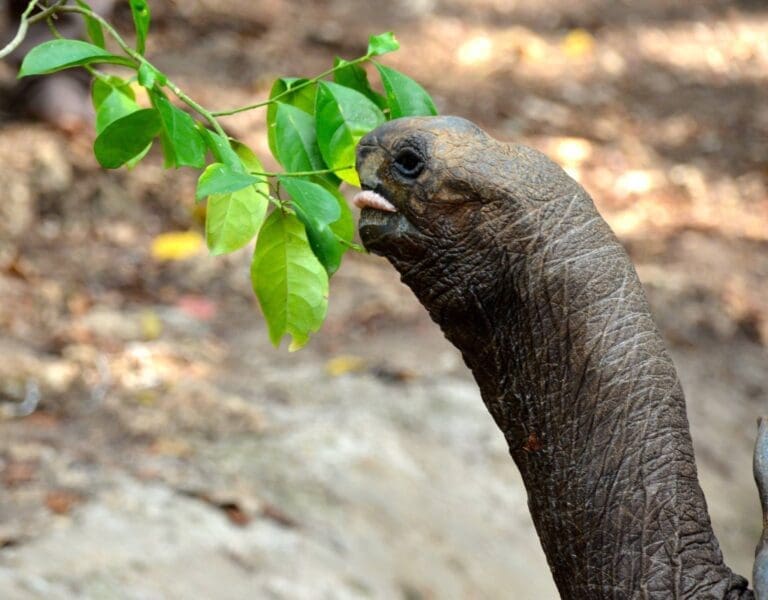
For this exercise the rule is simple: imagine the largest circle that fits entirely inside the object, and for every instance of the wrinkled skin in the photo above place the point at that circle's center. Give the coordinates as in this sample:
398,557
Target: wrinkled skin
511,259
760,571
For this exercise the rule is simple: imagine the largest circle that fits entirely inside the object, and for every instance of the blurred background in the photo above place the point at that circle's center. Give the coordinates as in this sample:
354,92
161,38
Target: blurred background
173,453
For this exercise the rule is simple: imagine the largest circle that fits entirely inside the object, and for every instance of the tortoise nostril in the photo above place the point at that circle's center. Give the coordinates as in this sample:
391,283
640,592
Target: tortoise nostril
364,149
369,159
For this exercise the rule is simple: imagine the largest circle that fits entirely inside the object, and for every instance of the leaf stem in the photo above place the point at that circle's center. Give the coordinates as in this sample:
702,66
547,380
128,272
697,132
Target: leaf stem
234,111
105,24
276,201
199,109
301,173
93,72
353,246
52,27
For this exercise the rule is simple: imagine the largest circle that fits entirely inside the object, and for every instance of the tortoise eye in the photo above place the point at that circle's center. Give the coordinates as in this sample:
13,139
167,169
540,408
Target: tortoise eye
408,163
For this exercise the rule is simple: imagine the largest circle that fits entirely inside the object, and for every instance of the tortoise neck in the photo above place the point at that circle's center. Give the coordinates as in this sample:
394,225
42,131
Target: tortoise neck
575,373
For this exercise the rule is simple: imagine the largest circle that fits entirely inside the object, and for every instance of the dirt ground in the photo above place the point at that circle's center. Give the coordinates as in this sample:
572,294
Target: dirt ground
173,453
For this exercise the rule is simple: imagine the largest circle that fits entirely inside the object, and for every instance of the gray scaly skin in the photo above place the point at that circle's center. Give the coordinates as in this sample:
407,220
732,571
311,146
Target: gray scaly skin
511,259
760,571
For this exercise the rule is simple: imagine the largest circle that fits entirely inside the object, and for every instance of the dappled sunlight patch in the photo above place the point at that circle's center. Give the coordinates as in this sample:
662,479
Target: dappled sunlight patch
476,50
572,151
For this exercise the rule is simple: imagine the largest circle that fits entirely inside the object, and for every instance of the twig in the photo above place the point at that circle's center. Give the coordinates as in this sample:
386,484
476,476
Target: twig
26,21
301,173
139,59
22,31
60,7
50,10
234,111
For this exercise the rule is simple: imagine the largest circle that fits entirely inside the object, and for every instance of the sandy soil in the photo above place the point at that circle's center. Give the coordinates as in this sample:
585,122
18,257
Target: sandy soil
175,454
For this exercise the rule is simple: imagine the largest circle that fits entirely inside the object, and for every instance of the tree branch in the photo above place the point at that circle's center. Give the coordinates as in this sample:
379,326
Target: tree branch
22,31
291,90
26,21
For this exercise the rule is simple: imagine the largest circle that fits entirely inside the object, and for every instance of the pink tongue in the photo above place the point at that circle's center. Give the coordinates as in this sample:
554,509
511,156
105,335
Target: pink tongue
371,199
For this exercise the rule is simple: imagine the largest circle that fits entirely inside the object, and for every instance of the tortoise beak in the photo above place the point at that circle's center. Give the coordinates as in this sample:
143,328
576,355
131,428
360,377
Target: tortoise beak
381,231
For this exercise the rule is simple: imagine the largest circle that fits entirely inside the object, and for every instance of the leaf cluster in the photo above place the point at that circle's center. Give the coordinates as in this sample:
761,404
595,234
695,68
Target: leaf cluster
300,220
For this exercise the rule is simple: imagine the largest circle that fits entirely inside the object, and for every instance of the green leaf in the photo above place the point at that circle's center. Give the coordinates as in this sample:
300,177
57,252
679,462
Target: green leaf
92,26
235,155
126,138
219,178
317,208
57,55
149,76
182,144
343,116
405,97
382,44
137,159
232,219
344,227
248,159
141,18
112,99
289,281
303,98
103,86
354,76
296,141
234,215
221,150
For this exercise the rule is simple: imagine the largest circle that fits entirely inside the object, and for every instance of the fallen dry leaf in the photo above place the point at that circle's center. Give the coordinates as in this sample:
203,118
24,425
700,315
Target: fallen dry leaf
150,324
235,514
578,43
273,513
18,473
61,502
176,245
346,363
168,446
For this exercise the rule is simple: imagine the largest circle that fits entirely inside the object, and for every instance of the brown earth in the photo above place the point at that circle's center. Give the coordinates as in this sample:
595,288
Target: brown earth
173,453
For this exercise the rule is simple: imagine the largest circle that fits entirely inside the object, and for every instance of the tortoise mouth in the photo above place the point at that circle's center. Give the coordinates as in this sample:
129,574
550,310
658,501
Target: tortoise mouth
371,199
381,230
382,226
